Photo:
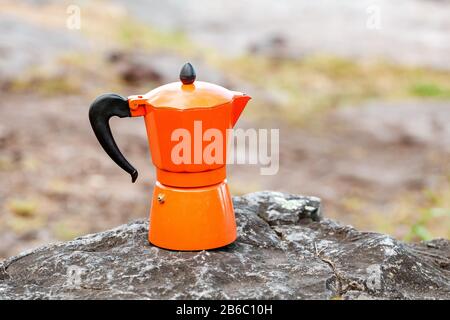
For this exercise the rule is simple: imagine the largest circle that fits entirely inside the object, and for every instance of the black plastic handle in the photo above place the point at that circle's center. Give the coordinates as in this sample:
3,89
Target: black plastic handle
101,110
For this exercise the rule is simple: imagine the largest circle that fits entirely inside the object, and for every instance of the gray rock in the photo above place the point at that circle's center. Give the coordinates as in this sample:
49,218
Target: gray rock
282,252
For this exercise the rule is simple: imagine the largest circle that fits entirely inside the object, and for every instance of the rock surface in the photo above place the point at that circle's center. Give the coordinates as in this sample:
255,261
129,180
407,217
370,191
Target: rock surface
284,251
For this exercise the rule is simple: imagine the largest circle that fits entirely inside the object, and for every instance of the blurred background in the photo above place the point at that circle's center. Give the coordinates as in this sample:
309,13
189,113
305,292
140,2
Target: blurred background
359,89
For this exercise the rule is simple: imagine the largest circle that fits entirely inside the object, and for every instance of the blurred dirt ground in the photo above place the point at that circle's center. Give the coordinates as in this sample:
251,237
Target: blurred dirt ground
368,136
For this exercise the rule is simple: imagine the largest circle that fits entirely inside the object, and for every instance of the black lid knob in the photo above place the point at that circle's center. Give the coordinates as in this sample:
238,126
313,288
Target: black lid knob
187,74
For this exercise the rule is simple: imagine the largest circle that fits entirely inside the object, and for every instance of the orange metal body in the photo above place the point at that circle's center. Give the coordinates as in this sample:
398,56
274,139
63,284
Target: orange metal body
192,218
191,207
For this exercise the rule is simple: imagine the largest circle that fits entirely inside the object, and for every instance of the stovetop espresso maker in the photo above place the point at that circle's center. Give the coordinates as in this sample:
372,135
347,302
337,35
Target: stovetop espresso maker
187,126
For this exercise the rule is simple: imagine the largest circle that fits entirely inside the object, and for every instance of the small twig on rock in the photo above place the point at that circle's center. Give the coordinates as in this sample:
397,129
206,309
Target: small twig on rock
3,273
339,278
343,284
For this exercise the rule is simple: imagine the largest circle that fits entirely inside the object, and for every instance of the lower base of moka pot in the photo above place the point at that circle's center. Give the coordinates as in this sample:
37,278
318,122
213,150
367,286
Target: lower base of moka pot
190,219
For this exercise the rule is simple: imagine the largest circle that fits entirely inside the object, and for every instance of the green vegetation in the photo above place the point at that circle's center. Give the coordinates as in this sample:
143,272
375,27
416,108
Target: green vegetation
46,84
317,83
430,90
419,230
22,207
136,35
435,214
411,216
65,231
22,216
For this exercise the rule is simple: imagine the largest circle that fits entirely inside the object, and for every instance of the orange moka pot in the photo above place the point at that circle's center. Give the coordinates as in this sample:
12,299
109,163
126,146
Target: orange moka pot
187,127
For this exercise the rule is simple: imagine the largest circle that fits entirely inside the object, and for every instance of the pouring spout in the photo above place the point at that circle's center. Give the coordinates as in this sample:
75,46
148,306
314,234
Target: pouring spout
240,100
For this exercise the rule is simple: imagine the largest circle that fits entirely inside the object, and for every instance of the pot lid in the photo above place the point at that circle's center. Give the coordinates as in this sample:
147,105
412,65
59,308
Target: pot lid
188,93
